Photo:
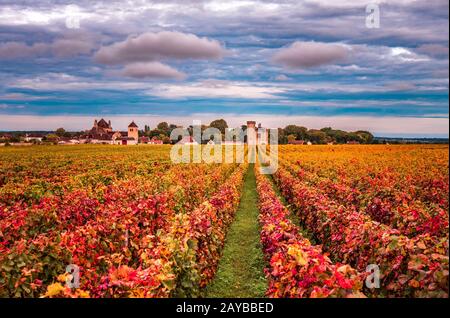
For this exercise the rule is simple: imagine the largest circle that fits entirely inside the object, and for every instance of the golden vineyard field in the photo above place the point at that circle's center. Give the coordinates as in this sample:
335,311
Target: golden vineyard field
137,225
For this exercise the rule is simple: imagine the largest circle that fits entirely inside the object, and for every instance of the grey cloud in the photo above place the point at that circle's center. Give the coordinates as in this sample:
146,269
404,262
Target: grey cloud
151,70
15,50
161,45
434,50
68,48
60,48
310,54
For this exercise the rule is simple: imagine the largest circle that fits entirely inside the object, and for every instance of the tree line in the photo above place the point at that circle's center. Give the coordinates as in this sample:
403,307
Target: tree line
288,134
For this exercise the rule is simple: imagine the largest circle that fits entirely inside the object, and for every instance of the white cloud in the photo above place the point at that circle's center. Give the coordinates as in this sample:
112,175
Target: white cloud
215,88
282,77
151,70
406,55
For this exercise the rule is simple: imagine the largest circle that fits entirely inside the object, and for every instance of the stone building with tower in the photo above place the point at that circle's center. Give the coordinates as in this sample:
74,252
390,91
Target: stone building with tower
102,133
132,137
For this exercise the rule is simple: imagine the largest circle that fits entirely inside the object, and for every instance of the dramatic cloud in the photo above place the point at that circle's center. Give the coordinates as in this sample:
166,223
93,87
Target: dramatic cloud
151,70
157,46
310,54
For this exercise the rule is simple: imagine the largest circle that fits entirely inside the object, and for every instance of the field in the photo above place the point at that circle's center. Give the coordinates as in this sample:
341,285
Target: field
130,223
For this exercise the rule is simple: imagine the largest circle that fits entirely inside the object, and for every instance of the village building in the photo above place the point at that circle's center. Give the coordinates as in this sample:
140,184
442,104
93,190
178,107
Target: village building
6,136
155,141
102,133
33,137
68,141
187,140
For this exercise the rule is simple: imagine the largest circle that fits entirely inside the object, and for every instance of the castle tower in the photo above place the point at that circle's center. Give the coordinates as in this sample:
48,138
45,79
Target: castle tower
251,133
133,131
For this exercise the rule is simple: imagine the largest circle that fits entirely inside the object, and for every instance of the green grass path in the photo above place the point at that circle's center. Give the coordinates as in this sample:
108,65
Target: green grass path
241,268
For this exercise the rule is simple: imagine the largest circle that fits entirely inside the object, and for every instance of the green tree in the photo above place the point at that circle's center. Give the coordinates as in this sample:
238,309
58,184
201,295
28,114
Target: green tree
299,131
60,132
164,127
365,136
220,124
291,137
53,138
317,136
282,137
157,133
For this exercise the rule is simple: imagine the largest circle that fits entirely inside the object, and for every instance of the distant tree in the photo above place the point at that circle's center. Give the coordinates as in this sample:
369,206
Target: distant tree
157,133
291,137
338,136
365,136
317,136
172,127
60,132
164,126
52,138
220,124
353,136
78,133
282,137
299,131
166,140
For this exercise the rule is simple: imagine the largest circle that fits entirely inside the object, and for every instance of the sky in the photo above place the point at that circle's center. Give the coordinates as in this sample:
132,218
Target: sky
311,63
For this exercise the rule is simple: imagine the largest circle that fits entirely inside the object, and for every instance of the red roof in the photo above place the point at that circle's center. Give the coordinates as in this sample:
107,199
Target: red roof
133,125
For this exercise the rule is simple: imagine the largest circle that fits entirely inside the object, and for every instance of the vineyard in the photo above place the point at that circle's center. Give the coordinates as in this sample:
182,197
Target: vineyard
137,225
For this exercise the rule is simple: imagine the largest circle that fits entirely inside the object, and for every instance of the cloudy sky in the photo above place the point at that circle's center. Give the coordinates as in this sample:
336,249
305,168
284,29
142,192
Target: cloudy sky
312,63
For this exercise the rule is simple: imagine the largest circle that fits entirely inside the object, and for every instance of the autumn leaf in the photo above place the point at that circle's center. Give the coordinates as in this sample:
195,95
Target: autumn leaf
54,289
